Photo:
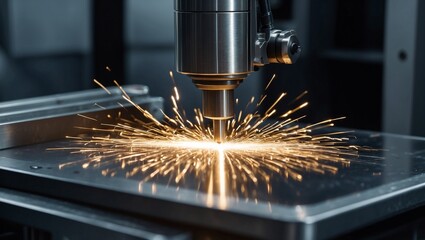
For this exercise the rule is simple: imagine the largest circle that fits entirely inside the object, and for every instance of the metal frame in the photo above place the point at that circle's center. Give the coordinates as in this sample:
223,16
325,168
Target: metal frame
404,77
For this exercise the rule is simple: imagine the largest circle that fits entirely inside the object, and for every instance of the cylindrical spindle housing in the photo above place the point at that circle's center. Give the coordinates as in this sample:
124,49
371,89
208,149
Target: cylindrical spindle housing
218,43
213,41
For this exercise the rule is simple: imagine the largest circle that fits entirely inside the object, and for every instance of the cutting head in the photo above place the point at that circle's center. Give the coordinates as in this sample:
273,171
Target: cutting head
219,43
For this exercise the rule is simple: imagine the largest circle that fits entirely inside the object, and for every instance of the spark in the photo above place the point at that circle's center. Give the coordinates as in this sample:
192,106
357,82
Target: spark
103,87
99,106
86,117
270,82
256,150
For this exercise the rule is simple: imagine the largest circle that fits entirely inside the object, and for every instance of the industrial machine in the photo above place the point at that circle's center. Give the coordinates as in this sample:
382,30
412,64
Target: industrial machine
220,42
55,195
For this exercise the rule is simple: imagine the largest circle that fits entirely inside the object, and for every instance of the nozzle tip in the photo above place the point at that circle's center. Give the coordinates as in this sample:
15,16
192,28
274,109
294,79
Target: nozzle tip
219,127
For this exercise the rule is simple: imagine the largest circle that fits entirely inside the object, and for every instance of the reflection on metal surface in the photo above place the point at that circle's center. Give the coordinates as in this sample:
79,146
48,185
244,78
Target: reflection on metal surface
217,181
256,149
222,178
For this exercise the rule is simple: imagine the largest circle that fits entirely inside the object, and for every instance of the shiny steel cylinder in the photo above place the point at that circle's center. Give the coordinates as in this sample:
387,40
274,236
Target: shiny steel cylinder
212,41
218,104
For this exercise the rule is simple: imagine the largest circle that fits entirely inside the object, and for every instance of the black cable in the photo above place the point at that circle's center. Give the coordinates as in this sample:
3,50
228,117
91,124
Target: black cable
265,17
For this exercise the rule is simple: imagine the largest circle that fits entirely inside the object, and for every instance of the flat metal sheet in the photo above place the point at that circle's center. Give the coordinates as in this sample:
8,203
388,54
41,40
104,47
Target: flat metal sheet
320,206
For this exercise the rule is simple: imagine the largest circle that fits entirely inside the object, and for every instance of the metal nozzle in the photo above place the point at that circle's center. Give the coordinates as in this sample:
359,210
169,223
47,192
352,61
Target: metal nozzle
220,132
218,106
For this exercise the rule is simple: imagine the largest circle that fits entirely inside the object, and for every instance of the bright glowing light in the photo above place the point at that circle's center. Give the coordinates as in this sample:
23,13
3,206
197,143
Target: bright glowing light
256,149
222,177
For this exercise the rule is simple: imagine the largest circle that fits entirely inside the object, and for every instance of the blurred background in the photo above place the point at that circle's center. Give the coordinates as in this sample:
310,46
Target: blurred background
361,59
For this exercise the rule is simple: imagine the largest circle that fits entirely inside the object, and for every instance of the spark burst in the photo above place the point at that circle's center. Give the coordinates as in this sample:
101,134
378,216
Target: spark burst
180,150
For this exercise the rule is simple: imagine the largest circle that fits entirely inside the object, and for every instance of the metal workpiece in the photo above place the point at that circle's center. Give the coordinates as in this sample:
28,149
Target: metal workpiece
375,185
370,189
219,43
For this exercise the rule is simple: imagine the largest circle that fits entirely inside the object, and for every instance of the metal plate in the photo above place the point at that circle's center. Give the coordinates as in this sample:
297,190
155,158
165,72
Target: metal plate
320,206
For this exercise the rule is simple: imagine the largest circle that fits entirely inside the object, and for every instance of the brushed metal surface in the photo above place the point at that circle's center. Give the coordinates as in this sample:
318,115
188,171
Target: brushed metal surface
211,5
218,104
372,188
210,43
35,120
63,103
